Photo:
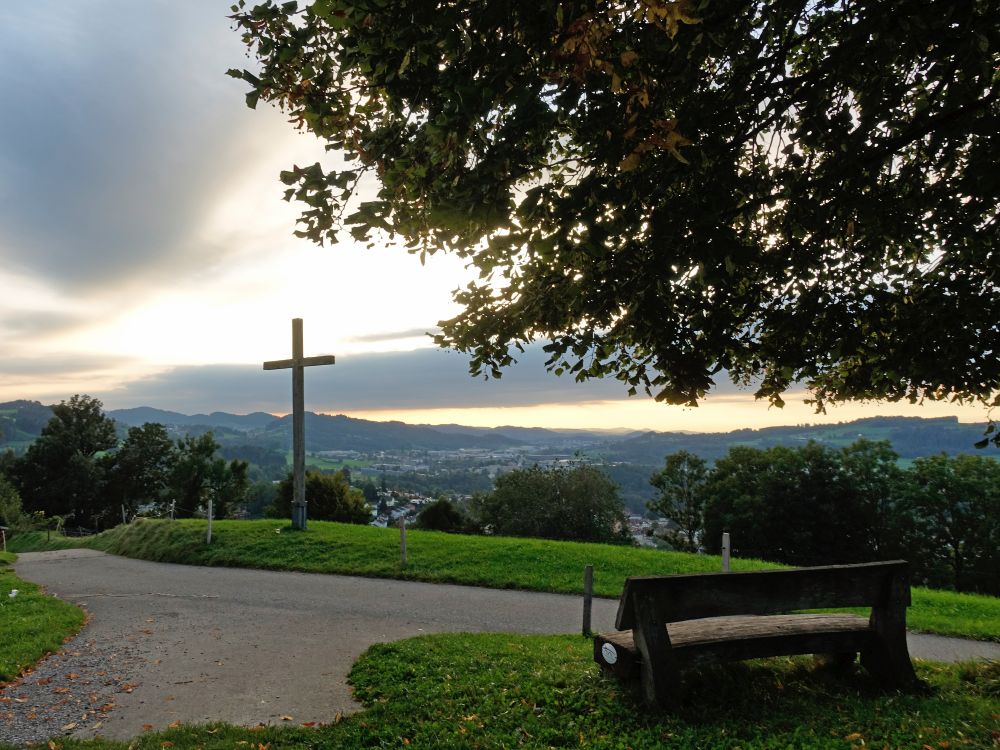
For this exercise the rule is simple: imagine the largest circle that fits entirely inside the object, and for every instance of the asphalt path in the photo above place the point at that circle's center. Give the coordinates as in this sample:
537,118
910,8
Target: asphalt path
169,643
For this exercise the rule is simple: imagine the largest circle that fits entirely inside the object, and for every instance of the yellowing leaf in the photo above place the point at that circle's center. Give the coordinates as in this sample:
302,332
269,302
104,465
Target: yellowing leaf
628,58
286,718
630,162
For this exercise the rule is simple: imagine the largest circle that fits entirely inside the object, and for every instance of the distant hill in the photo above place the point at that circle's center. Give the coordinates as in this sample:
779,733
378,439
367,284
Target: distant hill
327,433
140,415
911,437
22,421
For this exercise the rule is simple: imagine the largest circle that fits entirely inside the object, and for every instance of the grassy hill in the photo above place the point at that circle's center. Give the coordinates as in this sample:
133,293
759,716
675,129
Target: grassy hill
495,562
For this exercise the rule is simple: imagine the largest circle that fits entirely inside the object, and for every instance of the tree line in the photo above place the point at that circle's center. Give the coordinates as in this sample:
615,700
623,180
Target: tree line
78,470
815,505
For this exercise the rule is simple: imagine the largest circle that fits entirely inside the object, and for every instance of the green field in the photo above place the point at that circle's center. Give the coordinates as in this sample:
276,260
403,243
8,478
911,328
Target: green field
32,624
328,464
495,562
504,691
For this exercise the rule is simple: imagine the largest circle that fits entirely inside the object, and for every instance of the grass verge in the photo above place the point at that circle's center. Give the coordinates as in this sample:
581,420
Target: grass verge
32,624
495,562
502,691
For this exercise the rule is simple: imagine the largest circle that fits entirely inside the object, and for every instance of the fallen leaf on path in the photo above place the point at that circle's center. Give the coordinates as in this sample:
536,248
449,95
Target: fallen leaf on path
308,723
72,676
147,631
147,727
44,681
174,724
60,691
285,717
68,727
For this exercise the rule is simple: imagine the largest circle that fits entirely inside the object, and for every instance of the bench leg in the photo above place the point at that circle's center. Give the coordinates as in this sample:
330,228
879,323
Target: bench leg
659,675
888,658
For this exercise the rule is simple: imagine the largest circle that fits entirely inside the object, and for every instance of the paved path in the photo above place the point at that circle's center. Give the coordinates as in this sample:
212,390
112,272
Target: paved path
175,642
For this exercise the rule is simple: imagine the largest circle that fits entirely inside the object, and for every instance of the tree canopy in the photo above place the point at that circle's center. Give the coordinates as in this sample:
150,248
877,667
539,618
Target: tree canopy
61,473
780,192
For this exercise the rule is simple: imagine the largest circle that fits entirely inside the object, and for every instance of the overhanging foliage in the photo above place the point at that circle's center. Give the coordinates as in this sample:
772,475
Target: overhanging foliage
783,191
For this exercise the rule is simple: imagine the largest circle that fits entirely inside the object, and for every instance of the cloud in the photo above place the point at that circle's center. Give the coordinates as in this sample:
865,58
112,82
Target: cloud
38,323
62,366
375,338
420,379
119,134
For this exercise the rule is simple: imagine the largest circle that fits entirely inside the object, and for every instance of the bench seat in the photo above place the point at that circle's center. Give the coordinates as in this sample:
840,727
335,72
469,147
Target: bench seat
740,637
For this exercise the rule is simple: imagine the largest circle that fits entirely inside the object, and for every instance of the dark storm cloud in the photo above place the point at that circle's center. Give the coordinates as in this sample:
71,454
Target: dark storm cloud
116,132
426,378
421,379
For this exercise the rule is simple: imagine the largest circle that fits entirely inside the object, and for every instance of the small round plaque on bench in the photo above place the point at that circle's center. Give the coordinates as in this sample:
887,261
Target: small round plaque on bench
609,653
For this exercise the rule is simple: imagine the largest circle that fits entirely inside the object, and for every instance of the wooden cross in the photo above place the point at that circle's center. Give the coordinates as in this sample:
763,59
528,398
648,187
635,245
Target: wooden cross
297,364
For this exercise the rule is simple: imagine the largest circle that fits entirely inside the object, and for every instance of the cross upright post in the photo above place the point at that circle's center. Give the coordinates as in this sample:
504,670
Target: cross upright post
297,365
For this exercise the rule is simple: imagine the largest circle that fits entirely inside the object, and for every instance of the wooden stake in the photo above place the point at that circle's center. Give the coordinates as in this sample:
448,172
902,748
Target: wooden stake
588,597
209,521
402,539
725,551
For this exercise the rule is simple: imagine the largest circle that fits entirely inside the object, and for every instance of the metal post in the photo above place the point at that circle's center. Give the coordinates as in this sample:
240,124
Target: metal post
725,551
402,539
209,541
588,597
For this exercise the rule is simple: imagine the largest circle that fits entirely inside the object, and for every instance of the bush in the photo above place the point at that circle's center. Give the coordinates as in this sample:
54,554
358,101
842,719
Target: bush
581,504
441,515
330,498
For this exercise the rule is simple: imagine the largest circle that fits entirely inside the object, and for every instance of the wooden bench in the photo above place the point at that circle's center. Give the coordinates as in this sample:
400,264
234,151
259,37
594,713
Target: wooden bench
668,623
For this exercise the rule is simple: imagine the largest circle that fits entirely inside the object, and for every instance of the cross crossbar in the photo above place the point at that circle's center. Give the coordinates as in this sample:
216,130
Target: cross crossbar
285,364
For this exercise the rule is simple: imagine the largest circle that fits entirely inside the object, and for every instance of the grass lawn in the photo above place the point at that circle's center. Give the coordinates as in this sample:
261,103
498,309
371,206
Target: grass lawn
32,624
502,691
496,562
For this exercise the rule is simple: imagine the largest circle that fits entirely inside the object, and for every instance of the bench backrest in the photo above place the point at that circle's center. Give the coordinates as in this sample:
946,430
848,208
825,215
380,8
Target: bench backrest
692,596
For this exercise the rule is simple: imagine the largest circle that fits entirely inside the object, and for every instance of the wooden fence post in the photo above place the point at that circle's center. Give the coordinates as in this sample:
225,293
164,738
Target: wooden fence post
588,597
209,521
725,551
402,539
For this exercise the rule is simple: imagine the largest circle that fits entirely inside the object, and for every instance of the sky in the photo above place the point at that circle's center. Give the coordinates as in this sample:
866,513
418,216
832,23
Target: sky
146,256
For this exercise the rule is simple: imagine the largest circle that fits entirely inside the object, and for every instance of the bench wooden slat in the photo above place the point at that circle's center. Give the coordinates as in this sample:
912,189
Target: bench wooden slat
763,592
742,637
